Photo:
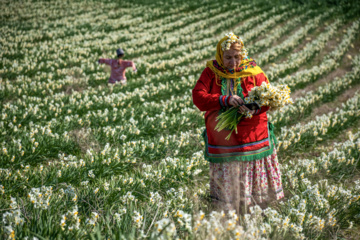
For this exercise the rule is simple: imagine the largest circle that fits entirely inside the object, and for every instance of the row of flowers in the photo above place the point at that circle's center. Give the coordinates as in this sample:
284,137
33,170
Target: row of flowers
112,98
312,212
57,86
61,22
329,62
292,41
142,175
289,136
324,93
318,209
166,119
299,216
17,67
86,42
319,128
295,60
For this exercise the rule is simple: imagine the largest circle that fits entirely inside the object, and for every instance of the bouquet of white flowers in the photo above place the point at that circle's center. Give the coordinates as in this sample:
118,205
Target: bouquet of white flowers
264,95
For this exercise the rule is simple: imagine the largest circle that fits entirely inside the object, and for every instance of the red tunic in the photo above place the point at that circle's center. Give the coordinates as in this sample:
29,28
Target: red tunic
253,140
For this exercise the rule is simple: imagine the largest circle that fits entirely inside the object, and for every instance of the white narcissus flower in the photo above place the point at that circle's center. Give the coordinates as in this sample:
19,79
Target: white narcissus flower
232,38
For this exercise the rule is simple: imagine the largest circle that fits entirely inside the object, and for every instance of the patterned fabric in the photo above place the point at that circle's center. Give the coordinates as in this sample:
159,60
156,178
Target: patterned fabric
117,70
247,151
246,183
247,68
235,87
206,96
224,100
218,67
245,64
243,152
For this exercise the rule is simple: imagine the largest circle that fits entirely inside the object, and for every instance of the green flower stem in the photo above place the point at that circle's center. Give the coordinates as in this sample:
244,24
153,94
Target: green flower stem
228,120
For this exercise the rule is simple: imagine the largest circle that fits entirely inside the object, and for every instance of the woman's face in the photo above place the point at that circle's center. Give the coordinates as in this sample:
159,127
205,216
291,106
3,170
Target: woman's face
231,58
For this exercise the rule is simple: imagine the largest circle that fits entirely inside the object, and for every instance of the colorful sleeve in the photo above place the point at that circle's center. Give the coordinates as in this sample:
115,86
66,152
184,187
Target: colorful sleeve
202,98
106,61
258,80
224,100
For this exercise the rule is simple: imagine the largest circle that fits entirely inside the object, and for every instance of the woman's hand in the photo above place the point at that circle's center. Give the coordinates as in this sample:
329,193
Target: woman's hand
244,109
236,101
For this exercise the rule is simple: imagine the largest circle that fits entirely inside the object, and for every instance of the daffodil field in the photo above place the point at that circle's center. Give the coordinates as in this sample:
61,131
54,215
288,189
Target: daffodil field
84,159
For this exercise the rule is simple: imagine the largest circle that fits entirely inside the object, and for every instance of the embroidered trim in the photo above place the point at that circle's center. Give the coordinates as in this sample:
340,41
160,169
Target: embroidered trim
224,100
220,100
223,86
242,156
227,100
239,146
249,63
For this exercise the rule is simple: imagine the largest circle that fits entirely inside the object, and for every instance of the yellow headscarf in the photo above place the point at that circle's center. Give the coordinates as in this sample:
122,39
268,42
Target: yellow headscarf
246,68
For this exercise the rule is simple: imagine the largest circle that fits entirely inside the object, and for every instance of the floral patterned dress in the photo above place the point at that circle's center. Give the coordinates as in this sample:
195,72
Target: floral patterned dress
251,182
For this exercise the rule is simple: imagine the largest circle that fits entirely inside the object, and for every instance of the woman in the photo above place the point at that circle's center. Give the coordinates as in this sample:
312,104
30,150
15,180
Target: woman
118,67
244,169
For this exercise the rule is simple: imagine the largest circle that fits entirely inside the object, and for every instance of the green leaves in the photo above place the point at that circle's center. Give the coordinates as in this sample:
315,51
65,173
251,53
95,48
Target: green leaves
228,120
